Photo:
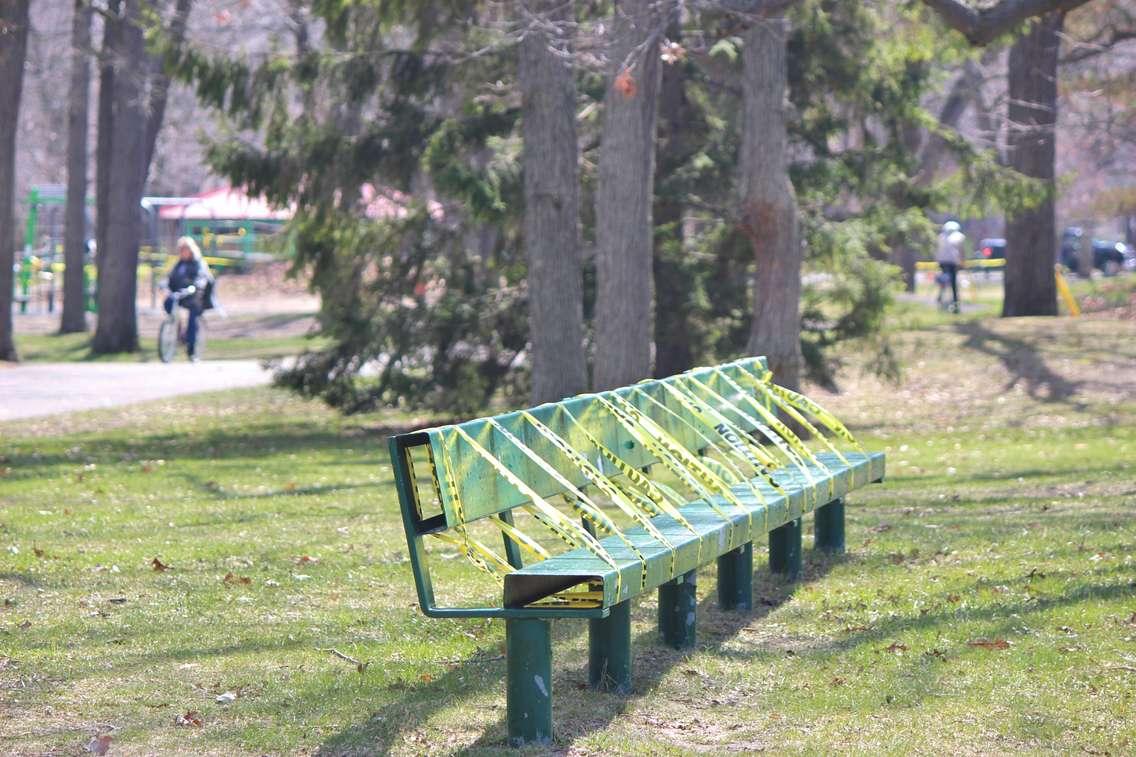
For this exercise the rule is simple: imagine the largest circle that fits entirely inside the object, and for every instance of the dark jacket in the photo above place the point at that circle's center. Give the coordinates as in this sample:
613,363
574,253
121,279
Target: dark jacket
186,272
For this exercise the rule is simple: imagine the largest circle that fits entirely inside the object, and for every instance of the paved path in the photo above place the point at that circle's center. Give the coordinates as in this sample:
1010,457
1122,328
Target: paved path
37,389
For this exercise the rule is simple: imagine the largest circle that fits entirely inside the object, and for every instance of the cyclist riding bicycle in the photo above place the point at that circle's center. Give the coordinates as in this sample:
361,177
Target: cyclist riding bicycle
188,283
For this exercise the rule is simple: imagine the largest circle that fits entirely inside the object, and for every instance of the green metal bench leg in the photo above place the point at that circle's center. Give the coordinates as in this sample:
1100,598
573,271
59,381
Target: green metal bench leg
528,645
785,550
609,650
735,579
678,606
828,527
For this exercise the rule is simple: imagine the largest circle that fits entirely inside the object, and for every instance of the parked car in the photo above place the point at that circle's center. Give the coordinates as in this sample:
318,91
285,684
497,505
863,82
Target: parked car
1110,258
992,248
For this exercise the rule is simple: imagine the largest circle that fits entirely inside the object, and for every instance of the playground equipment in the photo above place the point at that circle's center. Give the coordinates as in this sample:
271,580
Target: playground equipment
234,231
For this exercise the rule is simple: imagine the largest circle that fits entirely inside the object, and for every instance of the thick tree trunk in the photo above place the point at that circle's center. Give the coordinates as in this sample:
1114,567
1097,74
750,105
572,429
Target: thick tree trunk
551,223
674,293
74,318
624,194
105,125
117,329
13,52
1031,236
768,203
674,352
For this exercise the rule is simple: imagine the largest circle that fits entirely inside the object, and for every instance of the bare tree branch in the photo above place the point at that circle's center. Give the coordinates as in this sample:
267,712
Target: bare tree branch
1083,50
981,26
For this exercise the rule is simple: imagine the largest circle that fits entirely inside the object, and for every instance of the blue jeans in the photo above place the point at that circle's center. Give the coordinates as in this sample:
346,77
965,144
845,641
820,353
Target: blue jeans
194,313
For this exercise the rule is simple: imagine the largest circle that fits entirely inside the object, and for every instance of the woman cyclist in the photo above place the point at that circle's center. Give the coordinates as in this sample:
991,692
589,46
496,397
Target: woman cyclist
189,278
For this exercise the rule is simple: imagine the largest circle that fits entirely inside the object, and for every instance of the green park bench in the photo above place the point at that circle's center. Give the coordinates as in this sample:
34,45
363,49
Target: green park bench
600,498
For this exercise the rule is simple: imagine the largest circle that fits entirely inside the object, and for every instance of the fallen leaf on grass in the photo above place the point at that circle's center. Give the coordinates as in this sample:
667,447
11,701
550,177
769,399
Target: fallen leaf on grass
38,552
99,744
25,625
897,648
190,718
425,678
290,486
954,598
158,565
882,528
989,644
306,559
837,681
233,578
5,471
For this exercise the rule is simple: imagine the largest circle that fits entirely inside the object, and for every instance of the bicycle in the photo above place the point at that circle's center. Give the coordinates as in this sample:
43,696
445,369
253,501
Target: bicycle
172,332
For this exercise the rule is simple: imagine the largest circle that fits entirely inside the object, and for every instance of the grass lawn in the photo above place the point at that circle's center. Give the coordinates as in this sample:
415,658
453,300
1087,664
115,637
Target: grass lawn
156,557
241,337
69,348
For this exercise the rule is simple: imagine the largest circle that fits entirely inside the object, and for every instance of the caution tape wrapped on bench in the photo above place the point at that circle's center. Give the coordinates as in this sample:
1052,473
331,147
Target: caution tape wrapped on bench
600,498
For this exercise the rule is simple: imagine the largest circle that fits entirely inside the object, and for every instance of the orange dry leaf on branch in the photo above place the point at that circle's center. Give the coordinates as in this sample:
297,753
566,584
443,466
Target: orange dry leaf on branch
625,84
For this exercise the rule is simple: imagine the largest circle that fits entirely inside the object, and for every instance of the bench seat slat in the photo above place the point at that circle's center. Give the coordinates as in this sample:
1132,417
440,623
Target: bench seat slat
715,536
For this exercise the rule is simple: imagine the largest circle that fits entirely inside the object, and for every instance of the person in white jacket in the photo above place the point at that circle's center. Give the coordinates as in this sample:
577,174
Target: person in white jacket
949,256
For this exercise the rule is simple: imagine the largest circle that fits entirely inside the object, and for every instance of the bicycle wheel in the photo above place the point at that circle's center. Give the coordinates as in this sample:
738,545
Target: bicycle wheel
168,340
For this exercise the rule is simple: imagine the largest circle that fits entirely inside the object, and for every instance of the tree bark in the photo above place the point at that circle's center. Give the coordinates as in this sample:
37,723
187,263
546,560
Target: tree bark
117,329
1031,236
624,194
74,319
674,293
768,203
551,222
13,52
105,124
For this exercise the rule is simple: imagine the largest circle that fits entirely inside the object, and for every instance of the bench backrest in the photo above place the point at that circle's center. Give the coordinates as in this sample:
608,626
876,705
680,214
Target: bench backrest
472,486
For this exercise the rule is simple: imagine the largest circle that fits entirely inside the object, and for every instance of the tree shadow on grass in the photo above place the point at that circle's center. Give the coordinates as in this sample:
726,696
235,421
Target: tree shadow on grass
260,440
587,710
1025,366
219,492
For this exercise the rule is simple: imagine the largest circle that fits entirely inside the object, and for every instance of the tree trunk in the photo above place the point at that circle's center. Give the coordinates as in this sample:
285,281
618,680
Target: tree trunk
74,318
117,329
551,223
624,194
1031,236
160,80
13,51
105,126
674,290
768,203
